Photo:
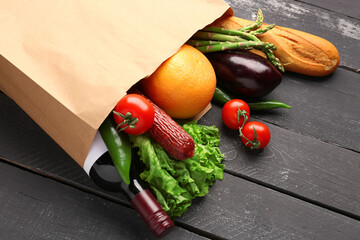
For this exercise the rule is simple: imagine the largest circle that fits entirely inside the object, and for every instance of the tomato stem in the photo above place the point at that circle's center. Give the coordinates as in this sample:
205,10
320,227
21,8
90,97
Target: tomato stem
129,121
242,113
255,144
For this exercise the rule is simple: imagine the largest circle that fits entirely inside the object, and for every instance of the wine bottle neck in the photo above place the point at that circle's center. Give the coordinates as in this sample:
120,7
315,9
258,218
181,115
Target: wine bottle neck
133,188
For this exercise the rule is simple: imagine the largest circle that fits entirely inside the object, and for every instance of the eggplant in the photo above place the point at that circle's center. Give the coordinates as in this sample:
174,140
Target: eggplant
244,73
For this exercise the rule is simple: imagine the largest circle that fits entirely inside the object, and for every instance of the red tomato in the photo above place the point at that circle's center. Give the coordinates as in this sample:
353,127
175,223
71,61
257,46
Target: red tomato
255,135
234,113
134,114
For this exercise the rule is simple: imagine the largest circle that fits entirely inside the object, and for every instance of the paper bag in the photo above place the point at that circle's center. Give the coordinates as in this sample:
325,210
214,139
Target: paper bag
67,63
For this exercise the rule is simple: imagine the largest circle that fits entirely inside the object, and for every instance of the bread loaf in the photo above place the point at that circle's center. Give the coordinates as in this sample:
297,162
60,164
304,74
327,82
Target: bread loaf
298,51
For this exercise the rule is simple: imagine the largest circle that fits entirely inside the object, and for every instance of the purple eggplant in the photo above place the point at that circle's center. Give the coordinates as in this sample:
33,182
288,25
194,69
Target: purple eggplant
244,73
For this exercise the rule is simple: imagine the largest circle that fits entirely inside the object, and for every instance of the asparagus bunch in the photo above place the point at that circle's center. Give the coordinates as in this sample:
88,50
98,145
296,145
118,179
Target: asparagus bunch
214,39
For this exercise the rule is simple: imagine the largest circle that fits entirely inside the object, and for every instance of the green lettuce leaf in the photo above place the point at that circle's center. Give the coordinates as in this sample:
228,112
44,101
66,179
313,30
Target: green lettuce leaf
176,183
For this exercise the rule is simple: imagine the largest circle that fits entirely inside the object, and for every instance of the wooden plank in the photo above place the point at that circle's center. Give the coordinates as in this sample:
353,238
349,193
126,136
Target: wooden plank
34,207
342,31
238,209
349,8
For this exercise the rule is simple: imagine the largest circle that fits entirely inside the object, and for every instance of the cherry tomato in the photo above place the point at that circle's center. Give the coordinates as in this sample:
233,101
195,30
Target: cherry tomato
255,135
234,113
134,114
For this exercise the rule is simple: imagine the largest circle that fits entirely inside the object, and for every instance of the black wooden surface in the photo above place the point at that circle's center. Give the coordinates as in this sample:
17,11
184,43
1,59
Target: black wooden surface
304,185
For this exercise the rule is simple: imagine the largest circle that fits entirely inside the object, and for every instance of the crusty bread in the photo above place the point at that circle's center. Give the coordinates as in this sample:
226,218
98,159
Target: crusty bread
298,51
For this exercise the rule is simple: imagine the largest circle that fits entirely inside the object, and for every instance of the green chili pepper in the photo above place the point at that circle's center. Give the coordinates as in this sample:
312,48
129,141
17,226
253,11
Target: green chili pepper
267,105
223,97
119,147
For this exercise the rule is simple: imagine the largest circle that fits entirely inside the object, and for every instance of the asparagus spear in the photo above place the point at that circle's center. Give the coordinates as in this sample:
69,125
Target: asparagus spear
199,43
208,35
235,46
262,30
236,34
256,24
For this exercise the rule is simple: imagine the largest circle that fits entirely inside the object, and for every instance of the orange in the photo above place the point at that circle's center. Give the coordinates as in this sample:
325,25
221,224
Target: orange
183,85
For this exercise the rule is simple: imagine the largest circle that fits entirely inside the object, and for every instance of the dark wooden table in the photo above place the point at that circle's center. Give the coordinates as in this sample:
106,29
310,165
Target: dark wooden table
304,185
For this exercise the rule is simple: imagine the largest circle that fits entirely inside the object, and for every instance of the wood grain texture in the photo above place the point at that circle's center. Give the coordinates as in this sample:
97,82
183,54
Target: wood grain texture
347,7
238,209
34,207
342,31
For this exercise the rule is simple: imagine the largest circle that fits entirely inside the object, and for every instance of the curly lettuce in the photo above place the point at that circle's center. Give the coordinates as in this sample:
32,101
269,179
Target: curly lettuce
176,183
